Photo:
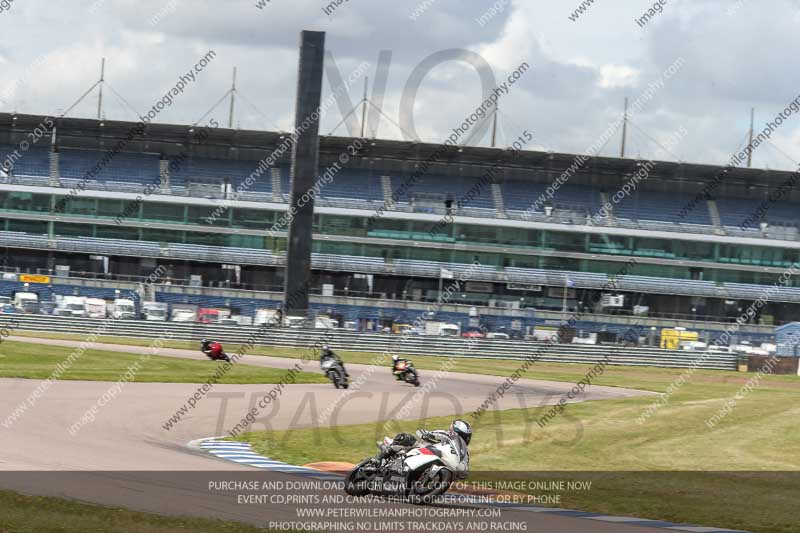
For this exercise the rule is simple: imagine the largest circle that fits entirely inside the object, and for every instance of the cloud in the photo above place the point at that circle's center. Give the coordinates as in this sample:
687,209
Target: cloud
581,71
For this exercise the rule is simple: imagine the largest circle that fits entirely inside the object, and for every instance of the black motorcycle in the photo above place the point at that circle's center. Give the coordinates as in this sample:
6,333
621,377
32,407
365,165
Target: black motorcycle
407,372
335,371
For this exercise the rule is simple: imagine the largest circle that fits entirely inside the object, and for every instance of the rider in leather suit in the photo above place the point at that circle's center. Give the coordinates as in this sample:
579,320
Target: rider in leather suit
326,353
459,430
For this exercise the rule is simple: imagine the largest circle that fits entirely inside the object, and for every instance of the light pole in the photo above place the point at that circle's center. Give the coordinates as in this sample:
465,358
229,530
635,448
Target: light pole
567,283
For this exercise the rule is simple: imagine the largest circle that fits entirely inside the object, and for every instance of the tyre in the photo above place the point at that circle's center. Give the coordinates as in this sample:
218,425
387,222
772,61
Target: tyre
412,378
334,377
355,484
424,488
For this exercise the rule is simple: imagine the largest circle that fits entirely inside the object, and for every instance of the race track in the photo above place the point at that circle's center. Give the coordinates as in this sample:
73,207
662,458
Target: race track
128,433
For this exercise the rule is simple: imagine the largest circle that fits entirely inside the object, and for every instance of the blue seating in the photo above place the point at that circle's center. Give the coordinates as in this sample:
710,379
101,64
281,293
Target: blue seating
524,195
123,167
662,207
32,162
354,188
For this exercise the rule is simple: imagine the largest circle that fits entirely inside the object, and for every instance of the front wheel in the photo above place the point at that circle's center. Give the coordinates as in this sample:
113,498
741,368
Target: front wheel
333,375
412,378
357,481
428,485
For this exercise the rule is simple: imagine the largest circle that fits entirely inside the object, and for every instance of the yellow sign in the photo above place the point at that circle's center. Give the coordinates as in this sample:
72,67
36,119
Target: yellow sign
671,338
34,278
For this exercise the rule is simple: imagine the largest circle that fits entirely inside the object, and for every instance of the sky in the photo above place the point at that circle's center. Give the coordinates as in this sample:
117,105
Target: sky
692,66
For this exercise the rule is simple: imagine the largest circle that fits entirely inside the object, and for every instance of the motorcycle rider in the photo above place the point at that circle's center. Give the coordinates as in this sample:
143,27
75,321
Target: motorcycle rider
326,353
460,430
396,360
211,349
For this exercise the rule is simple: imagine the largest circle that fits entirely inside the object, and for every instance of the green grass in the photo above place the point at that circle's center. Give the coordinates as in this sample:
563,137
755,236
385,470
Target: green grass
671,467
35,514
644,378
38,361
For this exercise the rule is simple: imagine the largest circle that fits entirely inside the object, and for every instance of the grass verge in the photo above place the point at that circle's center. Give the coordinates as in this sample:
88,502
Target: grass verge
38,361
743,474
36,514
644,378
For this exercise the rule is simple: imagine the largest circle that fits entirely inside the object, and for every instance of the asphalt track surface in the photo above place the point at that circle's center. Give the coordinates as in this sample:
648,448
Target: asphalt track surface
124,458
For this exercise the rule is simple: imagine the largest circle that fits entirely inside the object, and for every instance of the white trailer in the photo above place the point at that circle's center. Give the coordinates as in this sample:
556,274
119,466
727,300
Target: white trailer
155,311
442,329
184,313
270,317
71,306
95,308
123,309
22,298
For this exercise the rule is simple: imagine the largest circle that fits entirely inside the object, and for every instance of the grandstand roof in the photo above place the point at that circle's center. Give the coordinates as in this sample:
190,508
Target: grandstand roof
223,143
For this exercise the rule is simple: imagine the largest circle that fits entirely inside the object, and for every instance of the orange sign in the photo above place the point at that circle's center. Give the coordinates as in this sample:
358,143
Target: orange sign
34,278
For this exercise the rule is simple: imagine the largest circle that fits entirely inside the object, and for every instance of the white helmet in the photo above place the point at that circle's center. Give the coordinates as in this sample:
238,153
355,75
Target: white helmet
462,429
395,357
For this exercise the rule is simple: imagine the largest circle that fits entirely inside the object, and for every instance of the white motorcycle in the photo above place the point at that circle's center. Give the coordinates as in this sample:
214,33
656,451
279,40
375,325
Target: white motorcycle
334,369
420,474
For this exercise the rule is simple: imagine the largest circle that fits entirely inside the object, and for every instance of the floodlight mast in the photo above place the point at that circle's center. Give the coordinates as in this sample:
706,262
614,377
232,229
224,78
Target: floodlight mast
304,171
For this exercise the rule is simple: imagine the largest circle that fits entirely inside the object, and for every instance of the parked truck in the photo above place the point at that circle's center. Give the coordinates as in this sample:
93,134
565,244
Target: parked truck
155,311
442,329
325,322
95,308
270,317
25,302
212,316
6,306
184,313
122,309
74,306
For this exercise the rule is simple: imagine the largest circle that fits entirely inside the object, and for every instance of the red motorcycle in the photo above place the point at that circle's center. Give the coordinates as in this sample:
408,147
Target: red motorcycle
213,350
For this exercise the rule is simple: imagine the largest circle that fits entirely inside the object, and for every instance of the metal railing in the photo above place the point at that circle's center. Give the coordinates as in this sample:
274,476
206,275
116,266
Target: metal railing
345,340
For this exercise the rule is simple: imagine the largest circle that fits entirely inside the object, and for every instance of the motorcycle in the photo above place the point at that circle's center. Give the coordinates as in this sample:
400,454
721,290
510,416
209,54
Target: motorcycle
221,357
408,373
419,474
335,371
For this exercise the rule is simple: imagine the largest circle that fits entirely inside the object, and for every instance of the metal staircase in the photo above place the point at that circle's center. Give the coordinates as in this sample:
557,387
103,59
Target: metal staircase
277,185
716,220
499,204
604,201
163,171
55,173
386,187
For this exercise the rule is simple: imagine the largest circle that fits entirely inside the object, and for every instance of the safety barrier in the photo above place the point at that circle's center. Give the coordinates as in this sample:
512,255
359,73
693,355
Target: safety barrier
344,340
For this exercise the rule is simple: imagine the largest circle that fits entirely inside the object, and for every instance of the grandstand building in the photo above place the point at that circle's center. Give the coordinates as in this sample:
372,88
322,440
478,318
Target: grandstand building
117,199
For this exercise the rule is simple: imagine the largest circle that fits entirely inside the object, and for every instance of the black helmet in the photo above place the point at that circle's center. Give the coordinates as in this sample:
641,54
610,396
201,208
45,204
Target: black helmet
462,429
